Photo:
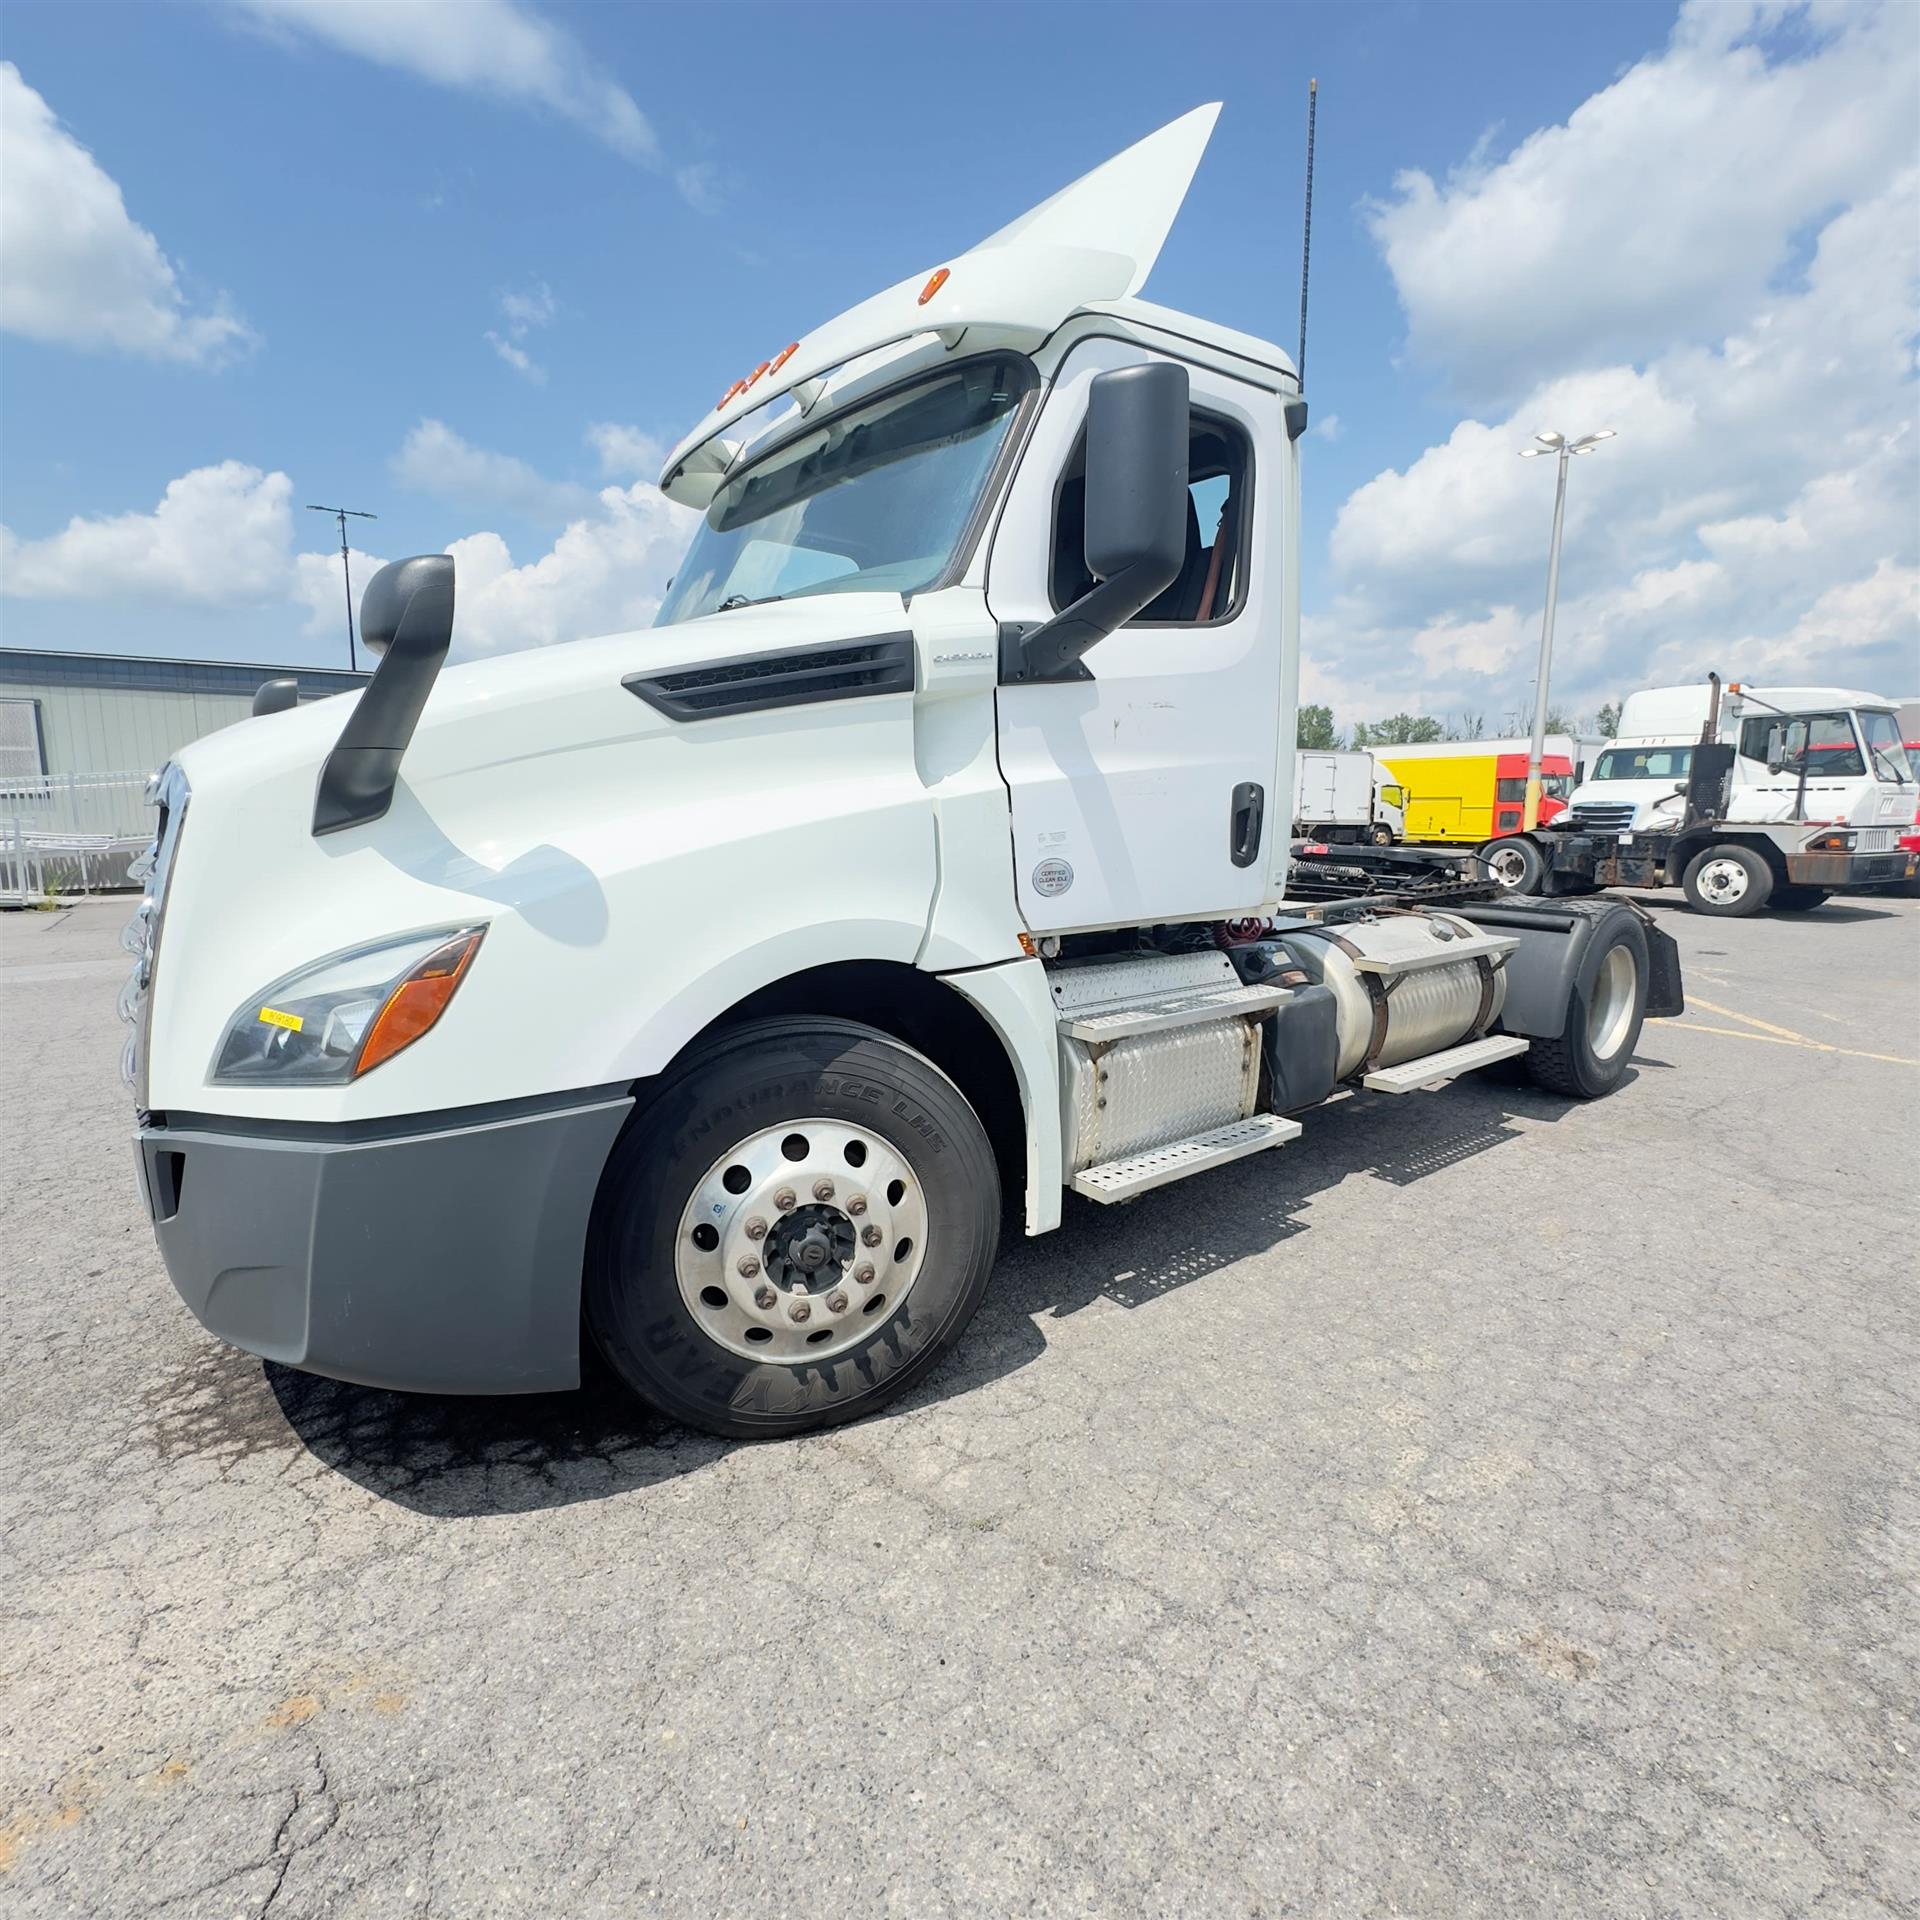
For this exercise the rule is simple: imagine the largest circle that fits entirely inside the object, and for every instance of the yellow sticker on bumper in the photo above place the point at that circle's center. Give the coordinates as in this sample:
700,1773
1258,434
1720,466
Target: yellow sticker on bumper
273,1017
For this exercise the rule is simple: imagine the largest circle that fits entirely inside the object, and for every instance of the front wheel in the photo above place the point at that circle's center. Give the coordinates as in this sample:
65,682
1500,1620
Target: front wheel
1729,881
793,1231
1604,1016
1381,836
1515,863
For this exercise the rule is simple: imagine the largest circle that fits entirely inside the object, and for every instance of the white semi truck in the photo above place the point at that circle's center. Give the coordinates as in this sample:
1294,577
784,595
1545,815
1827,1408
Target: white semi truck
1744,797
697,991
1345,795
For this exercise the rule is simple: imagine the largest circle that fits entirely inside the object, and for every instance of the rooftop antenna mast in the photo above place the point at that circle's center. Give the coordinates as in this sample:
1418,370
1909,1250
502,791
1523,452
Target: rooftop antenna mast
1306,231
342,514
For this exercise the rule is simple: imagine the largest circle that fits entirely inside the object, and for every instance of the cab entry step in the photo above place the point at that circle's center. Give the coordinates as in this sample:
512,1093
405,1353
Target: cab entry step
1418,1076
1138,1173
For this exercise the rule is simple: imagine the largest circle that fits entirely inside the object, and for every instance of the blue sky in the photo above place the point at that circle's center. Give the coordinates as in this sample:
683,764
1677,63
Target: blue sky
418,255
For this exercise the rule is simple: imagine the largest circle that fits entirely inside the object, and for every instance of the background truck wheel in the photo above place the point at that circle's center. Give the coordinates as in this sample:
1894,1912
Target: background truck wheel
1604,1017
1381,836
1799,899
1515,862
792,1231
1730,881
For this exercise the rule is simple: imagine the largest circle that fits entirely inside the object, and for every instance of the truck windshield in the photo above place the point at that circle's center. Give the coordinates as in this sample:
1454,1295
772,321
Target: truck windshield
874,499
1643,763
1890,758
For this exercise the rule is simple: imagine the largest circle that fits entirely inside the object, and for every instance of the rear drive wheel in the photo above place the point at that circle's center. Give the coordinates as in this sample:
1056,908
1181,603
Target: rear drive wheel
1604,1017
1729,881
1515,862
1799,899
792,1231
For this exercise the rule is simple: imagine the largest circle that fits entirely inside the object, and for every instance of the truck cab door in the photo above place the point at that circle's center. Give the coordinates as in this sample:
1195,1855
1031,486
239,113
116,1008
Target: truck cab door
1155,787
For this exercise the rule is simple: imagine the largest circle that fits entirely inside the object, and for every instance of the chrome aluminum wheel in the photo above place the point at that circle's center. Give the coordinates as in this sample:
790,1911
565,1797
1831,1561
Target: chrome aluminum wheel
1508,866
1610,1005
801,1241
1723,881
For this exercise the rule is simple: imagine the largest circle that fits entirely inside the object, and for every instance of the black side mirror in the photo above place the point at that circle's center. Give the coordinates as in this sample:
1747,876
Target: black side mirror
1136,515
275,696
406,616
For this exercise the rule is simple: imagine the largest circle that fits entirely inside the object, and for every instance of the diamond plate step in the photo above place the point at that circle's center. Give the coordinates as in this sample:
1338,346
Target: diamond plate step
1417,1076
1152,1012
1140,1172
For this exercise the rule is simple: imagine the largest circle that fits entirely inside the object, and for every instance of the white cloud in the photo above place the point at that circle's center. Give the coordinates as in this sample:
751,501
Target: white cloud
318,587
498,49
434,459
79,269
626,451
1327,427
1667,204
1761,507
520,313
605,574
219,536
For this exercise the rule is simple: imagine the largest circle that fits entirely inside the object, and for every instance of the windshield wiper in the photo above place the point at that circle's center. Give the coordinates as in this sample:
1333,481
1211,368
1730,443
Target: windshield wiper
1880,760
736,600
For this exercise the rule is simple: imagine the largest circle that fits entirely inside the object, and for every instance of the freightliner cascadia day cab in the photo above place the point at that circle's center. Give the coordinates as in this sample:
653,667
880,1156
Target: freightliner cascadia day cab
1745,797
697,992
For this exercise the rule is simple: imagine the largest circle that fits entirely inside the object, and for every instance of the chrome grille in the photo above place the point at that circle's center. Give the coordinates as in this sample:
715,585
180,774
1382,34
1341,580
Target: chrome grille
1604,817
168,792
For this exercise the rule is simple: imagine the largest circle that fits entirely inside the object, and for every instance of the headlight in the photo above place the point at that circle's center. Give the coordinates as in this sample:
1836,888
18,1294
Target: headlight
341,1017
1831,843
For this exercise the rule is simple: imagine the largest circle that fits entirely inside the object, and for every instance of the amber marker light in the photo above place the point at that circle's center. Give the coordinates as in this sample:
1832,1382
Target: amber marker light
418,1000
781,358
934,285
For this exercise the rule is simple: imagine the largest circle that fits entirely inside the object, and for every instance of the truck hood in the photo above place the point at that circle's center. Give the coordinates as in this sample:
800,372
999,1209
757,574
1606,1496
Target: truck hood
510,709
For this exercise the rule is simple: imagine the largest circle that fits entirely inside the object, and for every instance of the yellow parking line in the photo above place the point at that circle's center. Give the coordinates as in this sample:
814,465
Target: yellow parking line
1781,1040
1765,1026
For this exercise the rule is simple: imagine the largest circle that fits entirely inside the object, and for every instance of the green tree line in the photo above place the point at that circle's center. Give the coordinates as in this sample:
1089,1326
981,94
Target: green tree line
1316,729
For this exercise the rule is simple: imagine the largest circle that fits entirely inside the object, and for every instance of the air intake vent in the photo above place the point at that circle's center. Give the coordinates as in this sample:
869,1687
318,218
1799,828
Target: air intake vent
839,670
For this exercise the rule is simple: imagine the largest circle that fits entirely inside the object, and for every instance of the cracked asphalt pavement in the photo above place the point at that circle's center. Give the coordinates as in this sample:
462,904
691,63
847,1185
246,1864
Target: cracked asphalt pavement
1483,1506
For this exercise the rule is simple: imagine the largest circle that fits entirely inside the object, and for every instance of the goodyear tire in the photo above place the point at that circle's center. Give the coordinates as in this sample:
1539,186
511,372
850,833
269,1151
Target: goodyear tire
1728,881
1604,1015
792,1231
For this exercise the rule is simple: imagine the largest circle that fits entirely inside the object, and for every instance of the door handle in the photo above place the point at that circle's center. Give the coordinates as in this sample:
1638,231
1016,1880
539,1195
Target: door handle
1249,803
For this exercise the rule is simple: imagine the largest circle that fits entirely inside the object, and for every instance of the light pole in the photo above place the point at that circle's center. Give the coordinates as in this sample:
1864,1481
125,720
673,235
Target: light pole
1565,448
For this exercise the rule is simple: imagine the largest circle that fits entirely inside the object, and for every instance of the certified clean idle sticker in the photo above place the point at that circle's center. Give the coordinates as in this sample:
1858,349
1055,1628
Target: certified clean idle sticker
1052,876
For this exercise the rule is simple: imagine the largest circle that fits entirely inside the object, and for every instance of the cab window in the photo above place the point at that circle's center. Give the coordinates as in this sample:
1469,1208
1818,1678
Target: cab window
1830,746
1211,583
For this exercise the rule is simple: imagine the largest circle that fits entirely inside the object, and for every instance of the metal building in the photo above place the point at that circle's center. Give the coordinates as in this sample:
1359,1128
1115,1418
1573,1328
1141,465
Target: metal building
79,734
89,714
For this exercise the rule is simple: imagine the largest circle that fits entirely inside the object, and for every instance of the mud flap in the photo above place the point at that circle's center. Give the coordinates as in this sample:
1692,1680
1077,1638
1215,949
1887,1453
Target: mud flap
1666,997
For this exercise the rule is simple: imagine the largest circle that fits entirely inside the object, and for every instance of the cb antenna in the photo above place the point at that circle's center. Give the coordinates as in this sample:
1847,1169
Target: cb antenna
1306,231
343,515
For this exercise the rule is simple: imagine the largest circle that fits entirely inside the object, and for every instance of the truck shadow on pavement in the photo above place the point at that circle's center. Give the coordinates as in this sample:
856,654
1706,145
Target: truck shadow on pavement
464,1457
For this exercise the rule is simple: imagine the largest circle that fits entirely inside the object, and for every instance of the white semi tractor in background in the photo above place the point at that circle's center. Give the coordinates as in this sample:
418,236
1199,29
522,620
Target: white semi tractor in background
1344,795
701,987
1745,797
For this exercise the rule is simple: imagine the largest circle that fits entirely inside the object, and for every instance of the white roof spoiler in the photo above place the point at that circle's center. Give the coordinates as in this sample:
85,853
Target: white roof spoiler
1095,240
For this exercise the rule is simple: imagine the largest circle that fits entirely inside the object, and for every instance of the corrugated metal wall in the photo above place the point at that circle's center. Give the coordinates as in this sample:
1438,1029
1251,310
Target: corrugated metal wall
111,714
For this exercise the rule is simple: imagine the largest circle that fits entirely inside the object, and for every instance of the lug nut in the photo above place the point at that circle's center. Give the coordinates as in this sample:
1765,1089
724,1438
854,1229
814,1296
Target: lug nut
756,1228
836,1303
801,1310
864,1273
749,1266
857,1204
784,1199
823,1189
870,1235
765,1297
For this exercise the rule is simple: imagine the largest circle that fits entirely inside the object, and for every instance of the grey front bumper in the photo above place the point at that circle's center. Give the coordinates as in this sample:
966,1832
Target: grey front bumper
441,1255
